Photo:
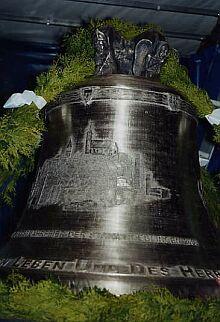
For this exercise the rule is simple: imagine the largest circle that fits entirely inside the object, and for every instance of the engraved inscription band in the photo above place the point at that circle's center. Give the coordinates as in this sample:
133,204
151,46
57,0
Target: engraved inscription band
128,237
101,93
103,268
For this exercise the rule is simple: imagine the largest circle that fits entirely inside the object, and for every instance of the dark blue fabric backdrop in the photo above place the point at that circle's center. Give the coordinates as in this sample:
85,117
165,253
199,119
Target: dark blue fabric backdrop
204,71
19,65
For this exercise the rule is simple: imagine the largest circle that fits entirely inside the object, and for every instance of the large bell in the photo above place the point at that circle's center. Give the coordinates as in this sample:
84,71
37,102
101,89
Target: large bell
117,200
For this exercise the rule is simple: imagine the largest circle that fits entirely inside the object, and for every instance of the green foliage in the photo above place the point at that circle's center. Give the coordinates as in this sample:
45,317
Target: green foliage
125,28
79,43
176,76
217,133
74,70
50,301
20,135
212,196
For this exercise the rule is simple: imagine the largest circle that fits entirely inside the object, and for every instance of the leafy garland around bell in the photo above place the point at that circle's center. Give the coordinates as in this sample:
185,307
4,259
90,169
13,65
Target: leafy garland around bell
21,129
50,301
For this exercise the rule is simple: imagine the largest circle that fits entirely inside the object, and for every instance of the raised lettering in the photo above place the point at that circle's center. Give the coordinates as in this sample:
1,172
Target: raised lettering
101,268
26,263
153,270
124,269
113,269
83,265
47,265
164,271
138,269
210,273
36,264
187,271
172,240
58,266
4,262
200,273
217,273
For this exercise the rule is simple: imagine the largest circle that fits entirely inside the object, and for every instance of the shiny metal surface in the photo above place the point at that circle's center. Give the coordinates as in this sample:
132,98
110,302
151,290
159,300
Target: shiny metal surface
141,56
117,201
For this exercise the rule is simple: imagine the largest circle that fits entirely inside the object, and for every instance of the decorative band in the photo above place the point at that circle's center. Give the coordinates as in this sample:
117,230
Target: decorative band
109,269
127,237
90,94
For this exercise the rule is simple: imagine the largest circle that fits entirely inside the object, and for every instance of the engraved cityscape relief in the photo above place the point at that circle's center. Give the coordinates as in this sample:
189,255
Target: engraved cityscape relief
99,175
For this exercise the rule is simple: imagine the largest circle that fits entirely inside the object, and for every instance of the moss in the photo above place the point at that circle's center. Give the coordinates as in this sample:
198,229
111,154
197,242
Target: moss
50,301
20,136
79,43
74,70
212,196
125,28
176,76
217,133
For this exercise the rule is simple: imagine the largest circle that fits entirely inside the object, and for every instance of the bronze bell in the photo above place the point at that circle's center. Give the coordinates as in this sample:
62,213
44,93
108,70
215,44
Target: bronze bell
116,201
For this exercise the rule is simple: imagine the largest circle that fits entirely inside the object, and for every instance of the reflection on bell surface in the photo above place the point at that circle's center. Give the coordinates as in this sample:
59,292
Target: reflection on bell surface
116,201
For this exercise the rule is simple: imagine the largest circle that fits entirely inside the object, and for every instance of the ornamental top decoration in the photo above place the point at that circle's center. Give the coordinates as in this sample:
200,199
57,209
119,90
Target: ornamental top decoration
142,56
